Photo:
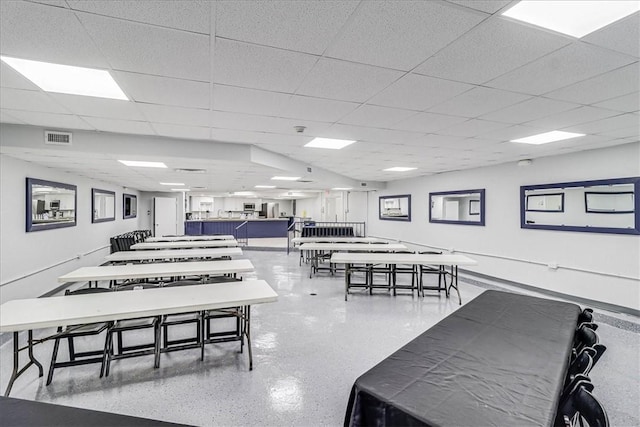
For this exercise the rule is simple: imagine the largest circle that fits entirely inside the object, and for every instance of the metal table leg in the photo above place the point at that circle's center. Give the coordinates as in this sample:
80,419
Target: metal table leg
16,359
454,283
347,279
247,331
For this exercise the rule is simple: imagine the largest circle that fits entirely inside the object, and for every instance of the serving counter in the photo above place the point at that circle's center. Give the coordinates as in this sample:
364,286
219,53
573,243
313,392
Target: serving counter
268,227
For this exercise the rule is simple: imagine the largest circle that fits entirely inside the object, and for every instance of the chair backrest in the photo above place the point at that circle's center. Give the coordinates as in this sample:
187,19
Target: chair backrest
581,406
586,316
181,283
134,286
581,365
584,337
84,291
430,253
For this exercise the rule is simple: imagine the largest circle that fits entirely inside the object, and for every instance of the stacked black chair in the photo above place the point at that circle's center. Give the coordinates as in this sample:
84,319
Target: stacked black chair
409,269
586,337
429,269
580,408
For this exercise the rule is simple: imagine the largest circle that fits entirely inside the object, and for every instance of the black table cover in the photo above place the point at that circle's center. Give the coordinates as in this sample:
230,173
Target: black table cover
23,413
499,360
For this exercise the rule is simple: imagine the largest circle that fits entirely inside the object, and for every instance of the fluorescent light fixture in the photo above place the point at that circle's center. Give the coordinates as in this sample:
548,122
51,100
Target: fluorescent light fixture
544,138
341,188
243,193
171,183
285,178
265,186
67,79
142,164
575,18
332,144
180,189
399,169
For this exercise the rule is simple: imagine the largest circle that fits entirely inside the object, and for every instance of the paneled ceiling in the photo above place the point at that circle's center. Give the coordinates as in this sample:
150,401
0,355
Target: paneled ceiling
435,85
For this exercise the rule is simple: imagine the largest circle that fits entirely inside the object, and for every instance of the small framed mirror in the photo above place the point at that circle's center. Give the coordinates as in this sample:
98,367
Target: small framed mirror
395,208
103,205
457,207
129,206
50,205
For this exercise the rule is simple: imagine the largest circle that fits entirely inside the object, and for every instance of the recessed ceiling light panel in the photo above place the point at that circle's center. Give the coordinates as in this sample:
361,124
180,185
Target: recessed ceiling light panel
574,18
341,188
331,144
142,164
399,169
285,178
265,186
545,138
67,79
180,189
171,183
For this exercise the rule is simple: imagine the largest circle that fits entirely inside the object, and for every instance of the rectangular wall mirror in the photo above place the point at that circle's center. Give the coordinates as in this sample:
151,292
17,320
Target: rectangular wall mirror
601,206
396,208
103,205
129,206
457,207
50,205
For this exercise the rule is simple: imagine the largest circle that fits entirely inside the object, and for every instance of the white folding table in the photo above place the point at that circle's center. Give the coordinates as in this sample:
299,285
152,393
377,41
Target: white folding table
451,260
149,271
318,249
186,245
190,238
172,254
37,313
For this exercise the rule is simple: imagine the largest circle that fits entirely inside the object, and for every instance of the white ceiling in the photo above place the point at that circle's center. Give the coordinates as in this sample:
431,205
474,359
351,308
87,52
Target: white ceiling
436,85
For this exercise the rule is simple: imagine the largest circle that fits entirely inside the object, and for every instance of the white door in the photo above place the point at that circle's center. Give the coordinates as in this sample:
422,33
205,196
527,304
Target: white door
165,217
451,210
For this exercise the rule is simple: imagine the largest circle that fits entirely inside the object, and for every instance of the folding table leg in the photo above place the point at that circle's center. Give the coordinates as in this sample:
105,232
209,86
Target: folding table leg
248,333
347,279
16,360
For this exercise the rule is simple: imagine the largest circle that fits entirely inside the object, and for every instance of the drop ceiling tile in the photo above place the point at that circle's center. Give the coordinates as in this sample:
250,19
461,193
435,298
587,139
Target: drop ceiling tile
621,121
427,122
50,120
605,86
309,108
6,117
120,126
488,6
148,49
258,67
478,101
170,14
416,92
359,133
175,115
400,34
249,122
56,3
512,132
436,141
182,132
45,33
250,101
621,36
629,132
566,66
346,81
98,107
627,103
164,90
471,128
29,100
310,25
572,117
528,110
274,139
374,116
12,79
489,50
233,136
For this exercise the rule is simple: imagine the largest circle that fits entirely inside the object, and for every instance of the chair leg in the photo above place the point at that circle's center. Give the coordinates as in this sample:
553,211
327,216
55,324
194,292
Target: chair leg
104,353
108,355
54,356
156,330
72,349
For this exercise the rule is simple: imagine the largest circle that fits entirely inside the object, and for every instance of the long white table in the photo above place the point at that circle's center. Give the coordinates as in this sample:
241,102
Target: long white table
186,245
451,260
336,239
172,254
36,313
318,249
190,238
148,271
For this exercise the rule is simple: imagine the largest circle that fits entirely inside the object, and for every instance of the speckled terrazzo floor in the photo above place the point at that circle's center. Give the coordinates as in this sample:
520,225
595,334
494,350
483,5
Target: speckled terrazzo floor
308,350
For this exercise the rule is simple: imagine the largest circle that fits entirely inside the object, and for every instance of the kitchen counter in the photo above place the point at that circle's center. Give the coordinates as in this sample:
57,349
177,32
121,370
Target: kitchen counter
236,219
255,228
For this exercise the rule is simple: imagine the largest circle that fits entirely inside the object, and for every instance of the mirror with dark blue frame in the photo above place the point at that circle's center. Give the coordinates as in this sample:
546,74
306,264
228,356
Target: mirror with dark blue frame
49,205
599,206
457,207
129,206
395,208
103,205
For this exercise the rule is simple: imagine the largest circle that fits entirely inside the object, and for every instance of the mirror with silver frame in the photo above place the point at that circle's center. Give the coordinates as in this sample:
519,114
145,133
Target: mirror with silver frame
457,207
395,208
50,205
103,205
600,206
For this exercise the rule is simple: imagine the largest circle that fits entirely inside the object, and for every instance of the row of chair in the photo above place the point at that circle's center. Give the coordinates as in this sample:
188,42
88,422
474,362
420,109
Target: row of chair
578,406
162,341
123,242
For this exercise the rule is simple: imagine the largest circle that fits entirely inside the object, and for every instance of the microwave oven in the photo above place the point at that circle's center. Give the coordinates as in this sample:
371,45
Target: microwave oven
249,207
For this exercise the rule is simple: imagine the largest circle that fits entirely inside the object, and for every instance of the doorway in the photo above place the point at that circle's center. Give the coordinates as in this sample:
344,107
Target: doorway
165,216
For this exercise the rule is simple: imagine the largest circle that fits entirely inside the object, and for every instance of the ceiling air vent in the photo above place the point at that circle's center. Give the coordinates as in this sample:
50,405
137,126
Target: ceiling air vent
190,170
304,180
52,137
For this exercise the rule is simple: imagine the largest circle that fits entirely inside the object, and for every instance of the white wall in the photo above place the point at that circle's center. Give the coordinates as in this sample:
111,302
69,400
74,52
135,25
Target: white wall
310,207
24,253
145,208
612,254
356,206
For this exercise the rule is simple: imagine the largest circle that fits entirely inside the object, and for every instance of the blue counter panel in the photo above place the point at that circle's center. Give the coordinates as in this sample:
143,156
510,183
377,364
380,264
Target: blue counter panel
255,229
193,228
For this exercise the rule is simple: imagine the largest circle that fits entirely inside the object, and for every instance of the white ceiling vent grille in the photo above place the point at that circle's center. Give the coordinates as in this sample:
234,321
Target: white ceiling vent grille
52,137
